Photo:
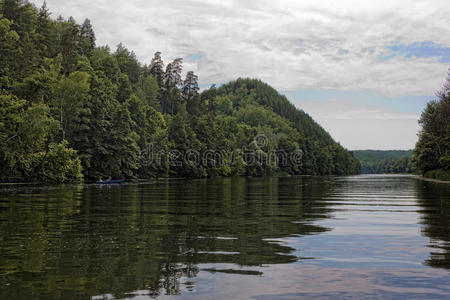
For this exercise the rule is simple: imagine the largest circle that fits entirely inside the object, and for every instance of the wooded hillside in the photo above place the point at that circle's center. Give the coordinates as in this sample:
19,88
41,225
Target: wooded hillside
71,110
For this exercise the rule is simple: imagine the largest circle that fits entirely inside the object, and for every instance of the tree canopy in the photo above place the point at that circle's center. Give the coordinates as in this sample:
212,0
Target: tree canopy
386,161
432,152
70,109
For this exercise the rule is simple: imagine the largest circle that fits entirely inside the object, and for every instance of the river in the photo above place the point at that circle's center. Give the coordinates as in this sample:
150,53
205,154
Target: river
372,236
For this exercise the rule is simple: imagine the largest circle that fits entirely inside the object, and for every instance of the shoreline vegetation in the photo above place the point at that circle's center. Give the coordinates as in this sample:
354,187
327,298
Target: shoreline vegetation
438,174
71,111
431,179
432,151
20,186
386,161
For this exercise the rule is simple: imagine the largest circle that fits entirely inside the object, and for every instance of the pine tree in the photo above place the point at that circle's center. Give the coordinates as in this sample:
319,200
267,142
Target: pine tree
87,42
190,92
44,33
10,9
172,80
128,63
157,69
208,101
70,45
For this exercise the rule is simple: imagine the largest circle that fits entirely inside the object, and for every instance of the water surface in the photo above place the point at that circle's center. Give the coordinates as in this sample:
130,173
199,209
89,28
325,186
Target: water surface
261,238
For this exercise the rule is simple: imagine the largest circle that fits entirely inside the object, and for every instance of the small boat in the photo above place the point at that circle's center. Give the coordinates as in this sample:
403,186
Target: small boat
117,181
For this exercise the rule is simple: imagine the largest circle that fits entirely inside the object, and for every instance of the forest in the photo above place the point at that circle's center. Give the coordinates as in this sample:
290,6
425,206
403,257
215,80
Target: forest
432,151
71,110
386,161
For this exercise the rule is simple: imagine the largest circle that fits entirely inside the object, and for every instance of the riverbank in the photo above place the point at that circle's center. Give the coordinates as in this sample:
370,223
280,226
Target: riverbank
431,179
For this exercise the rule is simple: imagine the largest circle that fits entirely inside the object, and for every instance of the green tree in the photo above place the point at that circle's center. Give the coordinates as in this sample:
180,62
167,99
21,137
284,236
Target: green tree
70,39
26,144
189,93
208,102
128,63
87,38
11,10
150,127
433,148
58,164
147,89
172,81
185,142
157,69
102,60
39,86
124,88
8,41
69,101
45,34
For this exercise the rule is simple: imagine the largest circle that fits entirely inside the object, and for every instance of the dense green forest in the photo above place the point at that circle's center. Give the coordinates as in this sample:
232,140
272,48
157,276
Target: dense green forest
386,161
71,110
432,152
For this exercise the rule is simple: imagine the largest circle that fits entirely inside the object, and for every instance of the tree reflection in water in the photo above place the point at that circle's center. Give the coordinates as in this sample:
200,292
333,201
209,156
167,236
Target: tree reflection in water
434,198
76,242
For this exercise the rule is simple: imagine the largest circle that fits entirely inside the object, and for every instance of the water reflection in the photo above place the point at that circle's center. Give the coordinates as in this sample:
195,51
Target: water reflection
293,237
77,242
434,199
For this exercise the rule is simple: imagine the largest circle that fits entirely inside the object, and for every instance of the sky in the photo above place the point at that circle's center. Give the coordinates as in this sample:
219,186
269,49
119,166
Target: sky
364,70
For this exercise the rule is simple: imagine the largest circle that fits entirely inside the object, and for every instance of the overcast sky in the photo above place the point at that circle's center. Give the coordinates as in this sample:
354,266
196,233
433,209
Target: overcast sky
363,69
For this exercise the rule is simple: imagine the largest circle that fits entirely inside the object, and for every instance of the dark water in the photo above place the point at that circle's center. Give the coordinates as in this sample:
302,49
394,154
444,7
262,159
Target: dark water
262,238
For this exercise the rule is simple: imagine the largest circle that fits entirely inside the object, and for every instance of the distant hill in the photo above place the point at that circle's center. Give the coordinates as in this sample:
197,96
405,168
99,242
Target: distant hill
379,155
385,161
259,105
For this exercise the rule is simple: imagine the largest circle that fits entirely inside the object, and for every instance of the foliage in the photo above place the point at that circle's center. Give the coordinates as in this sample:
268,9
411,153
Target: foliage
432,152
380,155
295,132
69,108
439,174
386,161
59,164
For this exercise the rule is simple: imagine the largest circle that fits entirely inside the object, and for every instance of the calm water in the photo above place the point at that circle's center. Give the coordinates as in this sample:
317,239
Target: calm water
261,238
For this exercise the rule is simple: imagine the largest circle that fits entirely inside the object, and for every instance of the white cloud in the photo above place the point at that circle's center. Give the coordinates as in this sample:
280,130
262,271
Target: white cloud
359,134
292,45
359,126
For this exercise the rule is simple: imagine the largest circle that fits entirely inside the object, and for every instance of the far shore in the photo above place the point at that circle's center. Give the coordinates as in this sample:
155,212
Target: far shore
430,179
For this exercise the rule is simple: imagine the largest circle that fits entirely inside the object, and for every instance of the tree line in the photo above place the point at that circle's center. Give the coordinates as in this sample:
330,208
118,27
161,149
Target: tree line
70,110
432,151
404,165
386,161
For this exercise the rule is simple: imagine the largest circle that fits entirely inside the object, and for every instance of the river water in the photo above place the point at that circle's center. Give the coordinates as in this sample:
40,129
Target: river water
371,236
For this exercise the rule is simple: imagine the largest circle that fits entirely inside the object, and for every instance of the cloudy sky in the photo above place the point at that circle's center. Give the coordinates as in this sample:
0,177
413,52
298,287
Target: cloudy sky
363,69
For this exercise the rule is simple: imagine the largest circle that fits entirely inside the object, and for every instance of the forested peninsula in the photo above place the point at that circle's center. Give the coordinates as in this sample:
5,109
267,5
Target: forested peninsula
70,110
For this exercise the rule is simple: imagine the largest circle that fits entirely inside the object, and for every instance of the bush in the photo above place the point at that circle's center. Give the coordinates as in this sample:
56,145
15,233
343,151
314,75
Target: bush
439,174
60,164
